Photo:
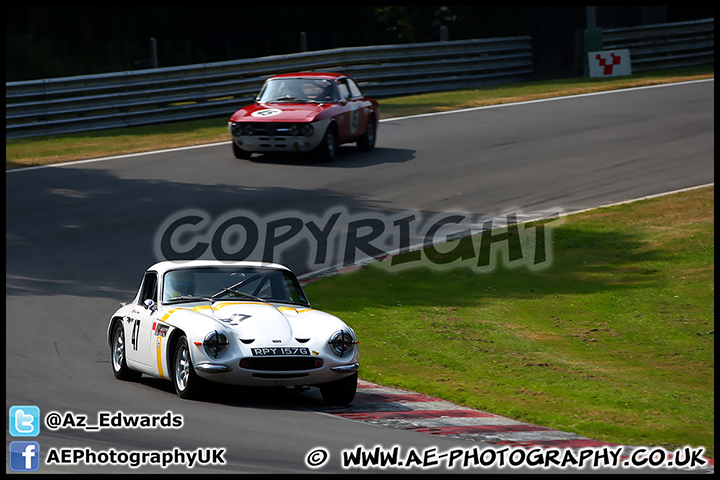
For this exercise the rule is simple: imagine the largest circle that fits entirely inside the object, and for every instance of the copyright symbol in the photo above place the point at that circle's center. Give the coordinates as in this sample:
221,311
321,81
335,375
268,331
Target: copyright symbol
317,458
53,420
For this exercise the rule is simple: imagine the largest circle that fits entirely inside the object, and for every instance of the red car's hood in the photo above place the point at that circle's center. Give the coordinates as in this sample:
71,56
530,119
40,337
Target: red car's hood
279,112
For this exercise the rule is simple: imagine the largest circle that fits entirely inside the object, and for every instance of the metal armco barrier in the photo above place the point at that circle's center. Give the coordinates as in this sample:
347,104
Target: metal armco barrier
667,45
93,102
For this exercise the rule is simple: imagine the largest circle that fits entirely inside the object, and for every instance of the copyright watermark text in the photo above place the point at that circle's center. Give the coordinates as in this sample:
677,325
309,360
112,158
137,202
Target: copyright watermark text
339,238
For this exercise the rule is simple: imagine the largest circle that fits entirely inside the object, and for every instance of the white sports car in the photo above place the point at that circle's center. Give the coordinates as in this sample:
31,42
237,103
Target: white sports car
238,323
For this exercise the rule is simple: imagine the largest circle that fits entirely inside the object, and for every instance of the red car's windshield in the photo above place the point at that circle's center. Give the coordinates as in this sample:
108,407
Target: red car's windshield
298,90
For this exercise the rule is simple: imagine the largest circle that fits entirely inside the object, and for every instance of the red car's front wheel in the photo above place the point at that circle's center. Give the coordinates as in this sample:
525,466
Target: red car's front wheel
327,150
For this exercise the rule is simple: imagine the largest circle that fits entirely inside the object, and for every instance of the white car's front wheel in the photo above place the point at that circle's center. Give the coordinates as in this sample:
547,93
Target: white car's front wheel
340,392
187,383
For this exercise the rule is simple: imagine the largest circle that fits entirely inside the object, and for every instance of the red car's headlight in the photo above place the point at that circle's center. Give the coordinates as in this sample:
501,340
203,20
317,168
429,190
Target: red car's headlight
240,129
307,129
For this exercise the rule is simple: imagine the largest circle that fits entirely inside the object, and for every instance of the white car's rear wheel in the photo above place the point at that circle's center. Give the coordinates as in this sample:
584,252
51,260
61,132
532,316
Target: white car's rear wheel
119,362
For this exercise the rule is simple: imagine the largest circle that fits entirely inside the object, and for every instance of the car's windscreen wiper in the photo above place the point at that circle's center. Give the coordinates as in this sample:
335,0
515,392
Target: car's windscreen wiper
290,99
238,292
189,298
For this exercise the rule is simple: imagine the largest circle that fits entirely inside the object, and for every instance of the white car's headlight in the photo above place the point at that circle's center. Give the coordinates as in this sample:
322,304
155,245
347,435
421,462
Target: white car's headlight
215,343
342,343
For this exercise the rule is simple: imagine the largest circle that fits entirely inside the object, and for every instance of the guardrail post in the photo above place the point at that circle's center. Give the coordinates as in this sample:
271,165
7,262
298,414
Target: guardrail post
303,42
593,42
444,33
153,52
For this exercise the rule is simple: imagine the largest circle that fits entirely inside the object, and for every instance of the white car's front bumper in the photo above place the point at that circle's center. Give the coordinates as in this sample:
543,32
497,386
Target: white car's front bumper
236,375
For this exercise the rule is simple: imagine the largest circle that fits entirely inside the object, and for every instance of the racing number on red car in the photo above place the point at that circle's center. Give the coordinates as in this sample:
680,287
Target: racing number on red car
354,118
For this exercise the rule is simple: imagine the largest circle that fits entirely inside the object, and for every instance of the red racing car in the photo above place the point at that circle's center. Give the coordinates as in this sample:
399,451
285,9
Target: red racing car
305,112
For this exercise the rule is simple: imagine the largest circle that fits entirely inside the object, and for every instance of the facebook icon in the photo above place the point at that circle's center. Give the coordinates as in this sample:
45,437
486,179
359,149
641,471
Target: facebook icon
24,456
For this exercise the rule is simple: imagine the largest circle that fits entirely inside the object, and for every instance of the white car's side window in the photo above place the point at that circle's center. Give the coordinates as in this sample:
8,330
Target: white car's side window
149,288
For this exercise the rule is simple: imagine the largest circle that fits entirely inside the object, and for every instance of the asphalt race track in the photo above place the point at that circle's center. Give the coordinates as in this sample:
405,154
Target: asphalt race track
79,237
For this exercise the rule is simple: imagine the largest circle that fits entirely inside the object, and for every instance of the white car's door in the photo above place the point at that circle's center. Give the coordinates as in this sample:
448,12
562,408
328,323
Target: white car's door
140,345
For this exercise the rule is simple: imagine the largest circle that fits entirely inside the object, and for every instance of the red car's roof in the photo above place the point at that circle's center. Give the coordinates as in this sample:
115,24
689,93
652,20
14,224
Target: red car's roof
326,75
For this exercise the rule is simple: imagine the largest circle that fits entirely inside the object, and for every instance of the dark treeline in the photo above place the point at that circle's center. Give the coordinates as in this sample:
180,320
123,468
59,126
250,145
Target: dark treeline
56,41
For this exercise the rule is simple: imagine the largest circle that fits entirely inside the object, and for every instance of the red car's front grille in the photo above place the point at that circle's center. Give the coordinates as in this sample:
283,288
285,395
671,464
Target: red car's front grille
267,129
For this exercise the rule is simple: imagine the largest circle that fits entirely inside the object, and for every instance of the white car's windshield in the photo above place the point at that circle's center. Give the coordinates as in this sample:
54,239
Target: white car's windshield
298,90
223,283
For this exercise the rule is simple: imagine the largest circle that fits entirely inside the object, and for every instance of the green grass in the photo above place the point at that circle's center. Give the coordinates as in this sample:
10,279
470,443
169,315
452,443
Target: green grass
614,340
61,148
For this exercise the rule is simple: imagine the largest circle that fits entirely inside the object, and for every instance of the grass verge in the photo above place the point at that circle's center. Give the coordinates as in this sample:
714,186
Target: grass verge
26,152
613,341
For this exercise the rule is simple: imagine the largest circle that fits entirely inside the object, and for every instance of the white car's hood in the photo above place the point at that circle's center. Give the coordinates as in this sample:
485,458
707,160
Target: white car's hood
267,325
263,323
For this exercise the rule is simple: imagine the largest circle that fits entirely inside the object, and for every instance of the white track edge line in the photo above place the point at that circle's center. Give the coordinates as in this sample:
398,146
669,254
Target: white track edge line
462,110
